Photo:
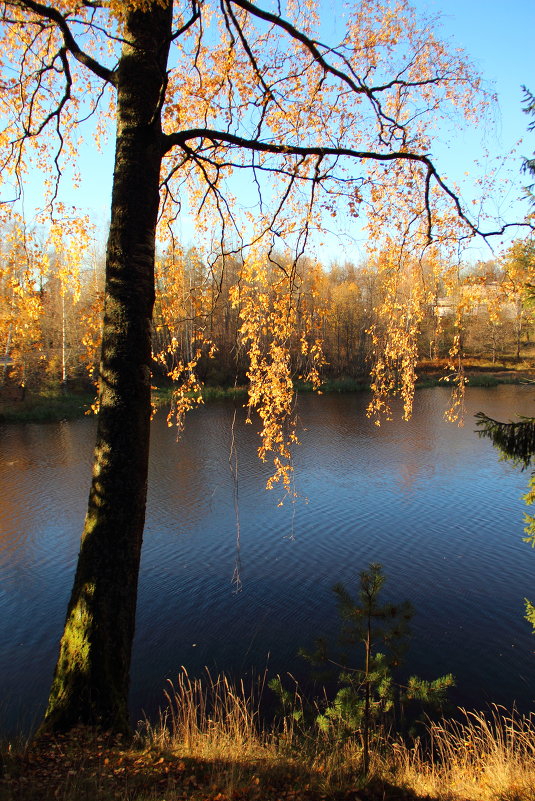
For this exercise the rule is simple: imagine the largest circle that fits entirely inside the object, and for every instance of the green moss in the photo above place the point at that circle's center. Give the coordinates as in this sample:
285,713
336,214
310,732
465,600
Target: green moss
74,653
75,645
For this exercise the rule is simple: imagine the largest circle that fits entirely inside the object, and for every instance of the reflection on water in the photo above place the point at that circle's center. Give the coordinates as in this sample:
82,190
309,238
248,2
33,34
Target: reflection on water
428,500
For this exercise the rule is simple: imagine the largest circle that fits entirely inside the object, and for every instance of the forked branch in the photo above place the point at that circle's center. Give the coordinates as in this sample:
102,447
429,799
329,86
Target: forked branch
53,15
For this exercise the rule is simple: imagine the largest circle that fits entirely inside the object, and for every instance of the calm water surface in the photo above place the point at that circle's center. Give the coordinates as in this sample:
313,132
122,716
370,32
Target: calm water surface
428,500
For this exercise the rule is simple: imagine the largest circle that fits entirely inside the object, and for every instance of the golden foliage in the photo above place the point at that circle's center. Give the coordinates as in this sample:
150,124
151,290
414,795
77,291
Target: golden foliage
323,130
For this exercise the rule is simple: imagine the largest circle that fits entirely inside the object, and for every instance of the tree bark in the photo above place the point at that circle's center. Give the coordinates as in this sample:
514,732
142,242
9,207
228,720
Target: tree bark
91,679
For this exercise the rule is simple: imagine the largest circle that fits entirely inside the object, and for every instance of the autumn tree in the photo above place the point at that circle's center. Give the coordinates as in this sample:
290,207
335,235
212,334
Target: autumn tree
345,320
517,286
199,91
89,315
22,269
64,319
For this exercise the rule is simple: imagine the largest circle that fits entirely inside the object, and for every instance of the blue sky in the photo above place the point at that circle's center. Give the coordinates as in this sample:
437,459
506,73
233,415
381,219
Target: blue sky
498,39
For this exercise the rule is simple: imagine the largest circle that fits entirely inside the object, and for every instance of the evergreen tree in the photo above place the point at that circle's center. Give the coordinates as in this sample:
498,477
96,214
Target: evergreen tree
368,693
516,442
528,164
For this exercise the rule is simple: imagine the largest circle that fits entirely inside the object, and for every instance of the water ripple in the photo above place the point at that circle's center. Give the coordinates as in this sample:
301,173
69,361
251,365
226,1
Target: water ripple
429,501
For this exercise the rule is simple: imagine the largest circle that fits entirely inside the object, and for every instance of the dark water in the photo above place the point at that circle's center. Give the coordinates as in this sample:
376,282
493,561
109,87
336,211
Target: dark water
428,500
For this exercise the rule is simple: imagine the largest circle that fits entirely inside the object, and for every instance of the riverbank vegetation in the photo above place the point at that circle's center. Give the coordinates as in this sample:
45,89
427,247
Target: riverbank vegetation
44,406
50,326
369,739
321,129
210,745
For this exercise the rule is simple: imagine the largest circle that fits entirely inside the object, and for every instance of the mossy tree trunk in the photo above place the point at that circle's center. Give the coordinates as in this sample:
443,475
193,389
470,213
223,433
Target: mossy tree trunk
92,673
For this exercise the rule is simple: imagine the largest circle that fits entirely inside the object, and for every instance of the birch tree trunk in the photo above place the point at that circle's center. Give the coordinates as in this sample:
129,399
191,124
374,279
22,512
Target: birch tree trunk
92,674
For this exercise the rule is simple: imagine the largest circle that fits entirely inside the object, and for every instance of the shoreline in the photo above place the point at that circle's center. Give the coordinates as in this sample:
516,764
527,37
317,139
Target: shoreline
230,757
55,408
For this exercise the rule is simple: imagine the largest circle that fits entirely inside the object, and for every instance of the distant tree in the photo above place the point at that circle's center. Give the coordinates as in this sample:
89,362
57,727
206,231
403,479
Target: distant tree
23,266
518,286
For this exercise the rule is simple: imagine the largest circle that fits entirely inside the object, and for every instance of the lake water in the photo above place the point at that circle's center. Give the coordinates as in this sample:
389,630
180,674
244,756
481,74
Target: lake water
428,500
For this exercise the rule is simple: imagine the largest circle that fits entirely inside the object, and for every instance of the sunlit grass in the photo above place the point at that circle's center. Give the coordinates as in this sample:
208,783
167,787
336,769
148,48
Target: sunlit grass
473,757
481,757
209,718
210,744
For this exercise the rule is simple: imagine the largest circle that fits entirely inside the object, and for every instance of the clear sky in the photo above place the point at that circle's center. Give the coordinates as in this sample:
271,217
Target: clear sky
498,37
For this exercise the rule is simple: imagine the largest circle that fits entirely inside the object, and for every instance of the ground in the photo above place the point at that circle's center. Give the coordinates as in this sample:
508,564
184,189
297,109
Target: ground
84,766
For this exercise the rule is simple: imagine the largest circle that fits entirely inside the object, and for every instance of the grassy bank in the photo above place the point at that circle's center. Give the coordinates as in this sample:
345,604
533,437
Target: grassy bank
210,746
163,396
54,407
474,380
45,407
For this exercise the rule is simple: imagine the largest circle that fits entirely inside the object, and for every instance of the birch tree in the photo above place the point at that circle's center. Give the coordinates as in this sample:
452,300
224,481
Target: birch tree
199,91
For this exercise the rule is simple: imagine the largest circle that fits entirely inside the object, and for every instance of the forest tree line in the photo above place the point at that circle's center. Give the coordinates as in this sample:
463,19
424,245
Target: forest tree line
51,300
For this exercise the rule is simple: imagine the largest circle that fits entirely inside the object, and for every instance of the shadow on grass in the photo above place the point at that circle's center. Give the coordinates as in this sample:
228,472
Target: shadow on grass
94,768
45,408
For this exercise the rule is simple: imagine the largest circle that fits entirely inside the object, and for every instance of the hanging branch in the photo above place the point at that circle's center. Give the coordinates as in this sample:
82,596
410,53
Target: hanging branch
515,441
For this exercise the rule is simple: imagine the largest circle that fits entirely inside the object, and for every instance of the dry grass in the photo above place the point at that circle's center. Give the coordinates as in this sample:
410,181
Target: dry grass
209,718
478,757
210,744
220,723
481,757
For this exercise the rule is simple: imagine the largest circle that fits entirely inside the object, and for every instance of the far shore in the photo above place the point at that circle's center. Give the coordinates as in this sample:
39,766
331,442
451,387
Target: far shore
29,406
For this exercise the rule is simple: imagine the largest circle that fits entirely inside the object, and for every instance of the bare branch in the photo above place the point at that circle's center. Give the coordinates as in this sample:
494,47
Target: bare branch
181,139
313,46
246,46
187,25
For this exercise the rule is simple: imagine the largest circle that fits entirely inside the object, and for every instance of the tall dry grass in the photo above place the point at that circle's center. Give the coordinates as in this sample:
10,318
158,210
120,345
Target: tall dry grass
210,718
477,757
480,757
211,741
